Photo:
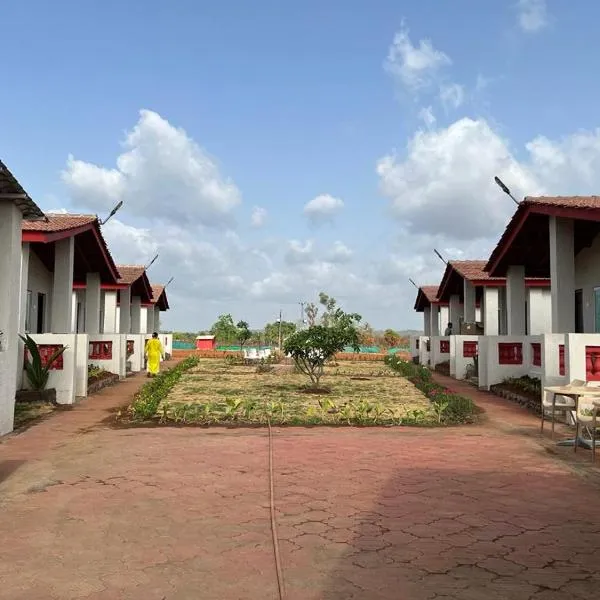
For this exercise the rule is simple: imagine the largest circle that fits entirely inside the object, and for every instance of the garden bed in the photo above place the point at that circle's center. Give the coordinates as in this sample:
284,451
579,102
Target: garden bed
210,392
514,393
443,368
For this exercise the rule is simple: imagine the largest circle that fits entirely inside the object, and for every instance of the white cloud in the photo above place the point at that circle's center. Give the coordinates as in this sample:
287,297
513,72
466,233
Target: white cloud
259,216
427,116
162,173
452,95
323,208
532,15
299,252
340,253
414,66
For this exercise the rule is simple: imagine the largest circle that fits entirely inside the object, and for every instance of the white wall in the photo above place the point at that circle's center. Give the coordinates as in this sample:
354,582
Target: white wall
114,365
458,362
39,281
137,358
437,356
63,381
539,311
587,277
81,366
413,345
166,340
490,370
10,291
423,352
575,344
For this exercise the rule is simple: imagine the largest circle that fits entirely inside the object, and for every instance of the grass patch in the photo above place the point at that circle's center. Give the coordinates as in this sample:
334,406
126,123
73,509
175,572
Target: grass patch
27,413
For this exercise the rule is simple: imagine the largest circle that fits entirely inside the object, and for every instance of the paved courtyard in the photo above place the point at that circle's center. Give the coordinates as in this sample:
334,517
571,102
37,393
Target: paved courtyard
486,512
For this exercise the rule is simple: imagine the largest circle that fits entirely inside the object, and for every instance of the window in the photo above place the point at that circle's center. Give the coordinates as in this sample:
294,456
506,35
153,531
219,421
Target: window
41,313
579,311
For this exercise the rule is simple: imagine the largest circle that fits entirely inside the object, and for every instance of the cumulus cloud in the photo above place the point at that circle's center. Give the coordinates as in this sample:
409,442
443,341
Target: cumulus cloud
414,66
340,253
323,208
532,15
452,95
162,173
427,116
259,216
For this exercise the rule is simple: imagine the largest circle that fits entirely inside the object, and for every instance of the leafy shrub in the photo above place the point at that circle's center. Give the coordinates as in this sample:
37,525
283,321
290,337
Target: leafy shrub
146,401
37,372
448,407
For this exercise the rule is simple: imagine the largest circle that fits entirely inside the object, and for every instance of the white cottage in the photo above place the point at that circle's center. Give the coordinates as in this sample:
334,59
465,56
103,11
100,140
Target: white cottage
15,205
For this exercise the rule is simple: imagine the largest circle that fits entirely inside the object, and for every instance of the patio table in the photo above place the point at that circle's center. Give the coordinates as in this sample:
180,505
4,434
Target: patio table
575,392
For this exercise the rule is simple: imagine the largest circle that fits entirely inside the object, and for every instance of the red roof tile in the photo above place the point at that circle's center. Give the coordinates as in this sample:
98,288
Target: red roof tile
472,270
430,292
159,296
59,222
130,273
581,202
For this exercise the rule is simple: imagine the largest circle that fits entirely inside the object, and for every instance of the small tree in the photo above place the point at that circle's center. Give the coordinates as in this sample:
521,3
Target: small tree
224,329
311,310
311,348
244,333
390,338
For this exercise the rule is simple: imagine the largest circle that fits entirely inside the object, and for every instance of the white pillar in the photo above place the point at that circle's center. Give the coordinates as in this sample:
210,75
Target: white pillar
562,275
490,311
515,300
150,319
110,312
92,303
23,287
434,327
444,318
10,287
144,320
125,311
62,292
454,314
469,302
136,314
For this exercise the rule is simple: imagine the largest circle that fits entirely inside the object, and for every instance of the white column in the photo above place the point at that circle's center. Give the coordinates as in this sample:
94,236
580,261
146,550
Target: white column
444,318
562,275
455,314
125,311
144,320
515,299
156,320
150,319
10,287
110,312
490,311
434,327
92,303
427,321
136,314
469,302
62,292
23,287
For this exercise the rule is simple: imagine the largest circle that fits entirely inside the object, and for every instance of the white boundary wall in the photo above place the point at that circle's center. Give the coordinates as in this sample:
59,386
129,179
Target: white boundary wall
63,381
81,366
458,362
115,364
423,352
414,352
166,340
137,358
437,356
490,369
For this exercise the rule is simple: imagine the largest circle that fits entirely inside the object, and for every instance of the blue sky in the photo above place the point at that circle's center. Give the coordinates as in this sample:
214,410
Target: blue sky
273,104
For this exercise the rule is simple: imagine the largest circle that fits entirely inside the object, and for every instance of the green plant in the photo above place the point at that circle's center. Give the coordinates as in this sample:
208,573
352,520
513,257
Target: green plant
37,372
146,402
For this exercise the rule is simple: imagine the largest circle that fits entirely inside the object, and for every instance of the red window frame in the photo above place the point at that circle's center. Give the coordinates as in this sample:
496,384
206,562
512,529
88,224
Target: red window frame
592,363
100,350
510,353
536,354
46,351
561,359
469,349
444,346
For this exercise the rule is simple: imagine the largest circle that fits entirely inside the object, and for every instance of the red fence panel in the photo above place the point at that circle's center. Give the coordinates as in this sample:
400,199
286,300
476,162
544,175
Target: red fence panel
536,353
469,349
510,353
444,346
592,363
100,350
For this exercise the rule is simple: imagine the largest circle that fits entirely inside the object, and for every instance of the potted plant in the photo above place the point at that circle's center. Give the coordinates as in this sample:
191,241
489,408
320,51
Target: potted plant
38,373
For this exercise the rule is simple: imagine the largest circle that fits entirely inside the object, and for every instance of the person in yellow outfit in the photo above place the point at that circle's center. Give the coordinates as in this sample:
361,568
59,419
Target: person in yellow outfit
153,352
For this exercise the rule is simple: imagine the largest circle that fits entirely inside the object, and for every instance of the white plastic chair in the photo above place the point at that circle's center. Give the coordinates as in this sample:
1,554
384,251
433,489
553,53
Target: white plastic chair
587,417
558,403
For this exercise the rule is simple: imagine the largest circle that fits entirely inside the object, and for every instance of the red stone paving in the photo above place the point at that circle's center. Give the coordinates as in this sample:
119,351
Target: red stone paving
480,512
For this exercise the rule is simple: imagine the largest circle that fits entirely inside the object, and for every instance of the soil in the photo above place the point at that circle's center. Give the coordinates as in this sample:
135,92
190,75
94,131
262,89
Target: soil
360,378
316,390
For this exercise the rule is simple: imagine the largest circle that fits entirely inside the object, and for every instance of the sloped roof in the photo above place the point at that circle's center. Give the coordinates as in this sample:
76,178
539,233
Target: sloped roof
130,273
88,237
11,189
426,295
59,222
472,270
159,296
135,276
525,241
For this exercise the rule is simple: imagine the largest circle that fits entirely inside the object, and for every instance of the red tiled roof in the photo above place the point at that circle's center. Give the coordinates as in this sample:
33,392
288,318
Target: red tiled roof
159,296
472,270
130,273
585,208
58,222
12,190
430,292
157,290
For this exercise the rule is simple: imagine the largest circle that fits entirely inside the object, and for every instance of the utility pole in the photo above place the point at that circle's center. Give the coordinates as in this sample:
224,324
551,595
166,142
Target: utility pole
279,330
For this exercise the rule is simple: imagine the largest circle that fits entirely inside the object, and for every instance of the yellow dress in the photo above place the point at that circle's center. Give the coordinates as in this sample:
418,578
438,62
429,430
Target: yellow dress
153,351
